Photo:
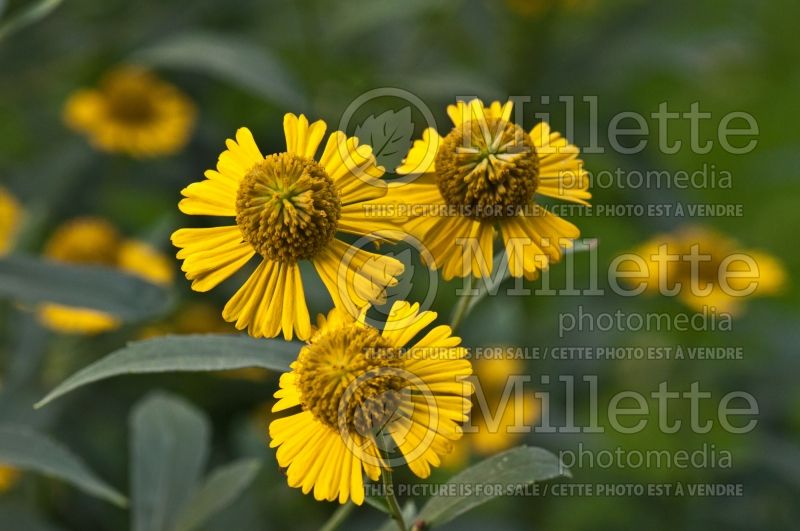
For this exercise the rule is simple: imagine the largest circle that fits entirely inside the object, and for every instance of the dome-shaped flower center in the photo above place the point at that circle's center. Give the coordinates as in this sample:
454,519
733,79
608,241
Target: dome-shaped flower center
131,97
350,379
488,168
287,207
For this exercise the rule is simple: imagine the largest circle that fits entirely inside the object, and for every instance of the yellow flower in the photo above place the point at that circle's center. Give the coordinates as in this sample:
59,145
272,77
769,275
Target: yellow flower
132,112
369,402
493,434
10,215
725,272
485,175
288,207
94,241
8,477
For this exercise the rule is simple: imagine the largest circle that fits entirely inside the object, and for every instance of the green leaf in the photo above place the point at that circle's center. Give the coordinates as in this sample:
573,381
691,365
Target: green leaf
27,449
409,510
30,280
186,353
220,489
169,448
228,58
519,466
377,503
32,13
389,134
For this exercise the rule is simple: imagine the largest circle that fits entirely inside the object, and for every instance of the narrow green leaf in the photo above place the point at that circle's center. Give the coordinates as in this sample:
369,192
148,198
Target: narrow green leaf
220,489
409,512
169,448
27,449
519,466
187,353
377,503
228,58
30,280
355,17
32,13
389,134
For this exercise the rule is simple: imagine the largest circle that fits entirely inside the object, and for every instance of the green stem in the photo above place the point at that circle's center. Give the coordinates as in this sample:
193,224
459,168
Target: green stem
338,517
461,309
391,499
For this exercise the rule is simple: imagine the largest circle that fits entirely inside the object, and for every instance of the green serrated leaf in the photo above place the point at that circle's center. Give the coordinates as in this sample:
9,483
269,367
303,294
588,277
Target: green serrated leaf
31,14
228,58
169,448
219,490
187,353
519,466
30,280
27,449
389,134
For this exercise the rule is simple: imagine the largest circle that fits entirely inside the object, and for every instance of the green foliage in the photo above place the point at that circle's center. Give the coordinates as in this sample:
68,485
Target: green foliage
30,280
202,352
27,449
513,468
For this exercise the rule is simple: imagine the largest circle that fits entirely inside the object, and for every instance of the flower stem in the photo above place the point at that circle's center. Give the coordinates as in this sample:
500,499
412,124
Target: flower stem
391,499
338,517
461,309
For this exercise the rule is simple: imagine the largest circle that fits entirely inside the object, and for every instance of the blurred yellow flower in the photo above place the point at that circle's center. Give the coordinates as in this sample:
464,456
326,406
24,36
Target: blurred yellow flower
94,241
494,434
10,216
288,207
132,112
360,389
484,176
725,273
8,477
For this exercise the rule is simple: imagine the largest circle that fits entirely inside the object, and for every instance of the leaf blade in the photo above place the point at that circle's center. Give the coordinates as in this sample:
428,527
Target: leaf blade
169,447
187,353
227,58
130,298
25,448
520,465
218,491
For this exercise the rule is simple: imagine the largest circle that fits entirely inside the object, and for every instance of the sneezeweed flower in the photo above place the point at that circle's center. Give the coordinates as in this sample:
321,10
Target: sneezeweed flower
9,476
483,176
94,241
369,402
288,208
10,217
132,112
723,275
497,411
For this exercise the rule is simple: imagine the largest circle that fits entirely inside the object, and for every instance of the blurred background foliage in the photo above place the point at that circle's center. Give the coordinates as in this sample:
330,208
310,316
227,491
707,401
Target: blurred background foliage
246,63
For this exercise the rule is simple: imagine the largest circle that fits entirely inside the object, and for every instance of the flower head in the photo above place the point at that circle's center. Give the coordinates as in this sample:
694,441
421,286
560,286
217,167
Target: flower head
370,400
705,268
94,241
287,207
132,112
485,174
10,215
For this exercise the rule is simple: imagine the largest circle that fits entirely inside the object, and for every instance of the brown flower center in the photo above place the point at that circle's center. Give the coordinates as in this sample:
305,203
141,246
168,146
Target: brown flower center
488,168
287,207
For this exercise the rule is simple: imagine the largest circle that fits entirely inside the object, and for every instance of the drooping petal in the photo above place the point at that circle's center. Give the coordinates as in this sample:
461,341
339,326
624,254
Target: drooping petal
210,255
